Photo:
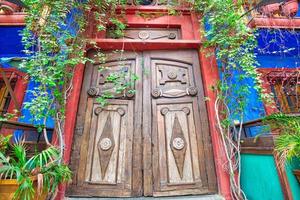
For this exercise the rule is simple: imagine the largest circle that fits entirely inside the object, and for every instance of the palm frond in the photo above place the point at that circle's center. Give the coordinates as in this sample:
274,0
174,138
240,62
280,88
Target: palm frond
288,146
25,190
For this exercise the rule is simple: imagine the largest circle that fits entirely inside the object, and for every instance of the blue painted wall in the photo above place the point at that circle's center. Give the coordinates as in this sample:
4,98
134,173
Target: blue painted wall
10,41
272,55
11,46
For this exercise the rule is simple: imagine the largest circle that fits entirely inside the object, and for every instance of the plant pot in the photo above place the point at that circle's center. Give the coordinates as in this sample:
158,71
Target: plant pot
271,9
297,174
8,188
8,8
290,8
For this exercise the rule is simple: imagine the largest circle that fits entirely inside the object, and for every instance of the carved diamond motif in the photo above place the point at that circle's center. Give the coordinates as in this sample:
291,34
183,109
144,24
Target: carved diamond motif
106,145
178,145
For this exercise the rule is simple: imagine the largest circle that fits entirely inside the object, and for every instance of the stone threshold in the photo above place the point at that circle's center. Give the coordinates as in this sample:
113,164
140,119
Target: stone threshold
196,197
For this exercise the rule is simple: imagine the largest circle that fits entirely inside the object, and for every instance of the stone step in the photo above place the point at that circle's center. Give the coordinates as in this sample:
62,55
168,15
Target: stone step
198,197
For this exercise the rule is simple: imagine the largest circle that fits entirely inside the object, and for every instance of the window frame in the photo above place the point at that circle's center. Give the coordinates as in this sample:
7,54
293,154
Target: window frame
272,108
19,88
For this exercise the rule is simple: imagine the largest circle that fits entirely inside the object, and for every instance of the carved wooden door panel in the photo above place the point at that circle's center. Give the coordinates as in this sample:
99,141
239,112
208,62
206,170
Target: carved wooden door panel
102,150
153,143
181,153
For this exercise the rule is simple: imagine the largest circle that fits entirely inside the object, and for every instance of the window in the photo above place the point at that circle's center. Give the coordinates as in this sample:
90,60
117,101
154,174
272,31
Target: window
5,96
12,90
285,86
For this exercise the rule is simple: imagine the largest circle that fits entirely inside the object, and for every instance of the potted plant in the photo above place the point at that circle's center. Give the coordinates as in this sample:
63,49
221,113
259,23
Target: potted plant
32,178
290,8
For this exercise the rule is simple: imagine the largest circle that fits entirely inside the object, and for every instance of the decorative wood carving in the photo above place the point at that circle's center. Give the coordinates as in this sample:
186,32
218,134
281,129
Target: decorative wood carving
106,146
173,79
178,145
149,34
171,76
193,91
182,157
174,93
167,155
96,92
102,86
156,93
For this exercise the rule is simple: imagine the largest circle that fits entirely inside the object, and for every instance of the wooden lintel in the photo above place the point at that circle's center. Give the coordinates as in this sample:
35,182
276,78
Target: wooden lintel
19,126
259,145
113,44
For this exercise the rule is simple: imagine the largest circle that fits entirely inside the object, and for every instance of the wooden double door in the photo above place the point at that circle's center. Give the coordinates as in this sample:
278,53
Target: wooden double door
151,142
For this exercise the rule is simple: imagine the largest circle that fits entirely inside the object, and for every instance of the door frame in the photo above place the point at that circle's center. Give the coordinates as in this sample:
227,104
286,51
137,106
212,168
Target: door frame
191,39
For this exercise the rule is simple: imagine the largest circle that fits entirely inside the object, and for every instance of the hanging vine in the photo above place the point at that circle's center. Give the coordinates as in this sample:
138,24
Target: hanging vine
54,43
234,44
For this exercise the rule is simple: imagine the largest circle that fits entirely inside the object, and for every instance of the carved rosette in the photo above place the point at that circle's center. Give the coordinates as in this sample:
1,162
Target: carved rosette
121,111
186,110
156,93
193,91
144,35
172,75
106,144
178,145
172,36
164,111
98,110
92,91
129,94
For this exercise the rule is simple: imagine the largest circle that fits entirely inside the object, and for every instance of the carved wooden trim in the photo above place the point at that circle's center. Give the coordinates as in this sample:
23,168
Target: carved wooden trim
149,34
174,93
178,145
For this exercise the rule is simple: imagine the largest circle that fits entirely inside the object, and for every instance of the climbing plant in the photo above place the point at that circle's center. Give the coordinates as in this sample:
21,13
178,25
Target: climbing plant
227,31
54,43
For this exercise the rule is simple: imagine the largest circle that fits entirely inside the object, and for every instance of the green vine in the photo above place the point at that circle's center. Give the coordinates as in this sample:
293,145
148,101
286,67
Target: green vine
234,43
54,42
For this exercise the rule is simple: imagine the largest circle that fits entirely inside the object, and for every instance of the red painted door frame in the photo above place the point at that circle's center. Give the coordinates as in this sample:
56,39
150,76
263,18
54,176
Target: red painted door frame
191,39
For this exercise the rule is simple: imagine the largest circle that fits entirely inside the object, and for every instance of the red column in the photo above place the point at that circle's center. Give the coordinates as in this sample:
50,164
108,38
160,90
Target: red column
210,76
71,112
